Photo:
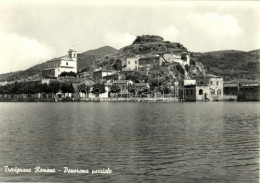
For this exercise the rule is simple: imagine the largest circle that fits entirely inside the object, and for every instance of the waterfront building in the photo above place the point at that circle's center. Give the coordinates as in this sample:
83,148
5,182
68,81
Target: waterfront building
122,84
206,87
104,95
66,63
232,87
249,92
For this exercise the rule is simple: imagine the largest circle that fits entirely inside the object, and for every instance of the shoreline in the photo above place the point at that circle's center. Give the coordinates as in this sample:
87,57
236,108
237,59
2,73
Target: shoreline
113,100
147,100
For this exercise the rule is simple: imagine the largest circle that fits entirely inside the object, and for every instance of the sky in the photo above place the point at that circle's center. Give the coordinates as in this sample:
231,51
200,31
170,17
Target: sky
32,32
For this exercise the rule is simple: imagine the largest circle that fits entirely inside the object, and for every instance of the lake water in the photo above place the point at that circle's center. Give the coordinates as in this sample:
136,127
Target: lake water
139,142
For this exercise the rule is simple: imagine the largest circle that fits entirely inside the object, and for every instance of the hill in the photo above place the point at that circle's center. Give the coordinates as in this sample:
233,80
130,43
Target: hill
99,52
233,64
88,58
7,75
142,45
150,45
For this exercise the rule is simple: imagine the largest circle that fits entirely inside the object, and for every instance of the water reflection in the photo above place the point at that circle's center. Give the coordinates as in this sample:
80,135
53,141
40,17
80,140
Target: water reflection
140,142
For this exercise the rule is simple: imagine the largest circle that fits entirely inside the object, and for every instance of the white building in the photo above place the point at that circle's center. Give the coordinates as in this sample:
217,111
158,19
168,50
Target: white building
178,56
101,73
132,63
66,63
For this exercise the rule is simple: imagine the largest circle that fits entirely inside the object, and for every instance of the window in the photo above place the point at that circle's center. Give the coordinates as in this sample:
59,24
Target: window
212,92
217,82
201,83
211,82
135,62
219,92
66,63
191,92
128,62
200,92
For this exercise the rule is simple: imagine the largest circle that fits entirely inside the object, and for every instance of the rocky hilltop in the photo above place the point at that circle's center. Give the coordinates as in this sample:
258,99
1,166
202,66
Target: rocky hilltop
151,45
148,44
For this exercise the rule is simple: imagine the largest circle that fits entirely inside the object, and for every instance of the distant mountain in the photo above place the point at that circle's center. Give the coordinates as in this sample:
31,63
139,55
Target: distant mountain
88,58
99,52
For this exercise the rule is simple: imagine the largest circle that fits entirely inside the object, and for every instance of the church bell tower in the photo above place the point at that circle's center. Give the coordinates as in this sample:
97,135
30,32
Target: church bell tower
72,53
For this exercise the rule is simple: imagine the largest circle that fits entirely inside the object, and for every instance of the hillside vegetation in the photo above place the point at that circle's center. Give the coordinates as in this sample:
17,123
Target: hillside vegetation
231,63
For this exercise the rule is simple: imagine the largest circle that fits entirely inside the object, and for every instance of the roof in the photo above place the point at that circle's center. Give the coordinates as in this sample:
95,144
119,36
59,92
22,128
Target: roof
241,81
230,84
103,71
190,86
66,57
75,80
132,56
249,84
108,84
141,84
111,75
121,81
149,57
127,71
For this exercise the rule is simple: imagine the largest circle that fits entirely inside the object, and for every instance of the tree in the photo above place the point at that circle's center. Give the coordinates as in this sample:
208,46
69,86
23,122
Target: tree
98,88
64,74
54,87
133,78
180,69
118,65
115,89
187,68
67,88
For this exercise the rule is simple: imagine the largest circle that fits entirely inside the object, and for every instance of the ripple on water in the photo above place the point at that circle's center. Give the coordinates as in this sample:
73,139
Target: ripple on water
140,142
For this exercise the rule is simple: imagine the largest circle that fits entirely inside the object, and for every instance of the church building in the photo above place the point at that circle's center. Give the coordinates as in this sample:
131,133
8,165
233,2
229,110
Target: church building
66,63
